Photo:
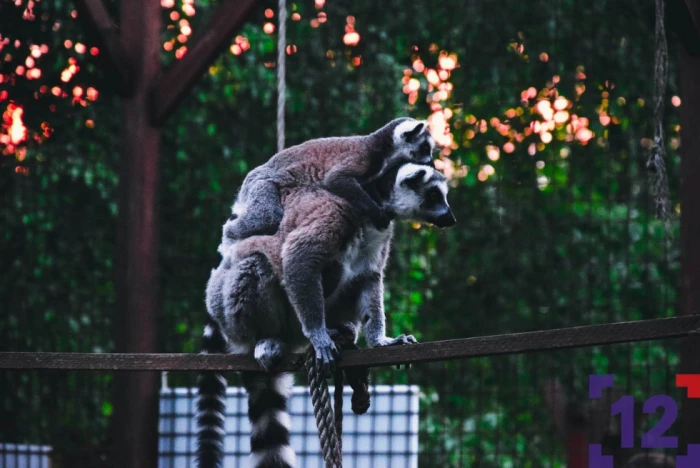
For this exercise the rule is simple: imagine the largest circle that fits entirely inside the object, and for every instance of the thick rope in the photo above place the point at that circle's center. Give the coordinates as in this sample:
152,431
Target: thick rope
281,71
656,163
320,397
329,421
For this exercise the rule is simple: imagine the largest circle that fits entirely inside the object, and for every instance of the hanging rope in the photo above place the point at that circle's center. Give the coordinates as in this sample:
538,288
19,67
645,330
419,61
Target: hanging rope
321,399
330,428
281,71
656,163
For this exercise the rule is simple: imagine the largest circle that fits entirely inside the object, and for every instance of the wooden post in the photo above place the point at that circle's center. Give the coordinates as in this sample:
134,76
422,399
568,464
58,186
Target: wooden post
133,52
136,394
690,219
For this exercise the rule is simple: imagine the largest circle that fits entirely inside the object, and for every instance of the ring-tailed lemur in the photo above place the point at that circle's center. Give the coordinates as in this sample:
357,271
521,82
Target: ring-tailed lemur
315,228
250,307
341,164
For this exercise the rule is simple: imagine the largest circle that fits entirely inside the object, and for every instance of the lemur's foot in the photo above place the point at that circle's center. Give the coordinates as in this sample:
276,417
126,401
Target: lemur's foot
269,353
344,330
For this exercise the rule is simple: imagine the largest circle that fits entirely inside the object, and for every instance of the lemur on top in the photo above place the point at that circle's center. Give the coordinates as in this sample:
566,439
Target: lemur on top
340,164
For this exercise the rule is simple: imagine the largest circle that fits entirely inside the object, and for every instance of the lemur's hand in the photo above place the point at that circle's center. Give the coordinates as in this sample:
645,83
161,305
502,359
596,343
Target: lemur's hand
399,340
382,218
389,212
326,352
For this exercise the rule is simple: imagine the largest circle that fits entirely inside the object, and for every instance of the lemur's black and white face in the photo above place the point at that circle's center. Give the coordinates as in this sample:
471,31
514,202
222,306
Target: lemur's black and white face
420,194
412,143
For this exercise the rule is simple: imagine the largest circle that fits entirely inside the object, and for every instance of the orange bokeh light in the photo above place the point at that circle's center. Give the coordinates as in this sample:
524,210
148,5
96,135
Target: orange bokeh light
16,130
92,93
351,39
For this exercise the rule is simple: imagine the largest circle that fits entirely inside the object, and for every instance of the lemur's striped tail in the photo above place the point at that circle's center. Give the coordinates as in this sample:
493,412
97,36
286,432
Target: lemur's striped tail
211,404
267,410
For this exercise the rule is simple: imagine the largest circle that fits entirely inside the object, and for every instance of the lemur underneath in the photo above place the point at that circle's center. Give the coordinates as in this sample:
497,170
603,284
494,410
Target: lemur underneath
341,164
251,311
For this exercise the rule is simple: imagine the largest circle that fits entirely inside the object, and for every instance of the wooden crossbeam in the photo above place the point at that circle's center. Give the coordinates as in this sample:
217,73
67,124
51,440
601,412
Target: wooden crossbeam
496,345
97,18
179,78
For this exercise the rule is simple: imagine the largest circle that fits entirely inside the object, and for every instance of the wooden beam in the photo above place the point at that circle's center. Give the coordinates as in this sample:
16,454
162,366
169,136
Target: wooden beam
135,422
689,68
496,345
179,78
97,18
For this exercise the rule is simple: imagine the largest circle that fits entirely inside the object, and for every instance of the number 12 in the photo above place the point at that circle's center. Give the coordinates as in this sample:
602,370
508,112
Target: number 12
654,437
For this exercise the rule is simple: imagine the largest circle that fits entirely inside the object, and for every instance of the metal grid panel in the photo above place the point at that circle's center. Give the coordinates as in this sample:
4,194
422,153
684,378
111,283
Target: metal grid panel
24,456
387,436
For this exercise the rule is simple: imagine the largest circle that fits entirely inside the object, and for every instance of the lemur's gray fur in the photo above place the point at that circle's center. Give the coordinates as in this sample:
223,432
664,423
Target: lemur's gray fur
256,313
340,164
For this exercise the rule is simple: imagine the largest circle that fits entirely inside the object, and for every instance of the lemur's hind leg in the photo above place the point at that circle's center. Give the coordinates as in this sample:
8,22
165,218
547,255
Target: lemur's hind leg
269,246
250,296
259,212
350,189
269,352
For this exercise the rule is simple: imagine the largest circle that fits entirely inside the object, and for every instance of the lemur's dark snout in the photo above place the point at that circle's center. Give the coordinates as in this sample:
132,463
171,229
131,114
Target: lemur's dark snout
446,219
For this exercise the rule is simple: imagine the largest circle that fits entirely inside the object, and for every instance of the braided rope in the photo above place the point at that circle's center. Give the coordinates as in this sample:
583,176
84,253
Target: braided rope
656,163
330,428
321,399
281,71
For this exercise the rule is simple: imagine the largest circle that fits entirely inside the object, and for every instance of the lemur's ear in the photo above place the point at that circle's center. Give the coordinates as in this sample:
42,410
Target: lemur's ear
412,134
414,179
